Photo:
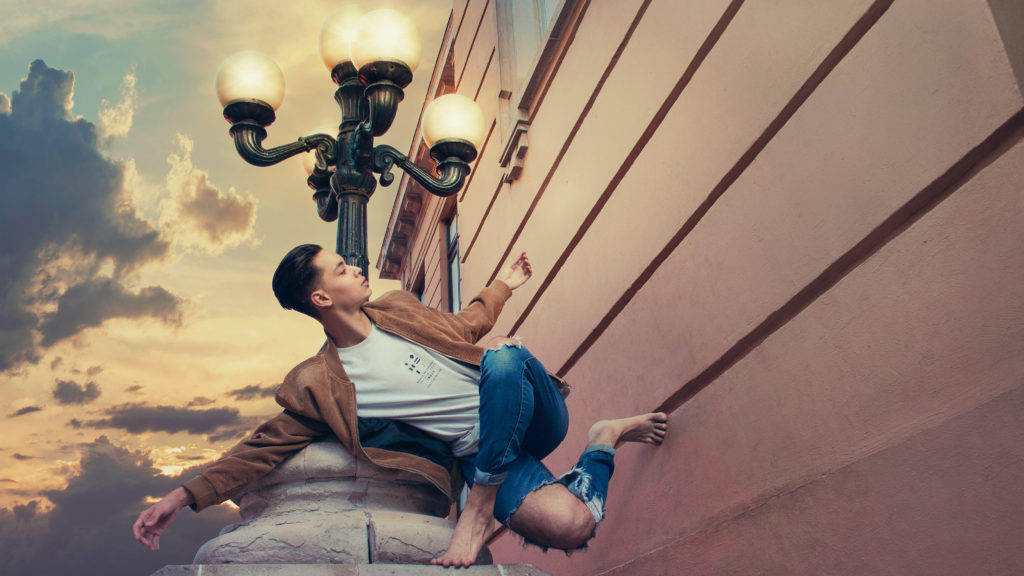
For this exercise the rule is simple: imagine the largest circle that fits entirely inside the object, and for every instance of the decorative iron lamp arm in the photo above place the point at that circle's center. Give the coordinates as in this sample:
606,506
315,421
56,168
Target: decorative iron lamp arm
249,138
452,169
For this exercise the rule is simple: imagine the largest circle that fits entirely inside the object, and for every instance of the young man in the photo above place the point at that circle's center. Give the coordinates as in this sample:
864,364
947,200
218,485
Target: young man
396,364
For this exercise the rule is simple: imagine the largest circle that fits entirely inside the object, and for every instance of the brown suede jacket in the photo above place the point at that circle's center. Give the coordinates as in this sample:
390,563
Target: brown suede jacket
319,399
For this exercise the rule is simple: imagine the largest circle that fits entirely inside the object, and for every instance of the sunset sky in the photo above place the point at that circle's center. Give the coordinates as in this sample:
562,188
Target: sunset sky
139,336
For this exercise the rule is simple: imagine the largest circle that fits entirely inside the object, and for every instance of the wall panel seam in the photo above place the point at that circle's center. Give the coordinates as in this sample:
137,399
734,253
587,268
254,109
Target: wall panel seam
572,136
483,149
476,233
472,43
836,55
634,153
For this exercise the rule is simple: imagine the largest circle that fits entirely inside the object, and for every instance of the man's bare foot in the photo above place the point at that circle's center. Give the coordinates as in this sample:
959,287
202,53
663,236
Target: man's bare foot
472,529
646,428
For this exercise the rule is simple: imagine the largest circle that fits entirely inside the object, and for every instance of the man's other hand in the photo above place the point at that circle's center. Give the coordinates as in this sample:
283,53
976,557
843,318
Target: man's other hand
517,272
153,520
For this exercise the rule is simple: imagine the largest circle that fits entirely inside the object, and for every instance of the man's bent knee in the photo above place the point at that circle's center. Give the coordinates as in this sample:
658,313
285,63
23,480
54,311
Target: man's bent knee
551,516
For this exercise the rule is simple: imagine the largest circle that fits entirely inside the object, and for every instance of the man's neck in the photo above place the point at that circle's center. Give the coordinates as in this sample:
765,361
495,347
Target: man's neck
347,328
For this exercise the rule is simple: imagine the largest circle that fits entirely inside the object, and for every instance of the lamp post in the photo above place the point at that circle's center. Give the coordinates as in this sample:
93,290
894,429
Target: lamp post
372,58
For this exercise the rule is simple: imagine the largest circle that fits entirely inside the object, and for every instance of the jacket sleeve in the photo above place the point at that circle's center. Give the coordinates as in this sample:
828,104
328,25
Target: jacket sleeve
253,458
479,316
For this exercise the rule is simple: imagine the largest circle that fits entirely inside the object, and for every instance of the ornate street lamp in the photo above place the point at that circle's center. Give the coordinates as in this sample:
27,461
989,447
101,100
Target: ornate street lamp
371,58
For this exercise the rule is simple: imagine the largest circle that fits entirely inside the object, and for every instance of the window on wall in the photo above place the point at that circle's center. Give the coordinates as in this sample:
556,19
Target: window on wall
454,292
530,19
419,283
532,36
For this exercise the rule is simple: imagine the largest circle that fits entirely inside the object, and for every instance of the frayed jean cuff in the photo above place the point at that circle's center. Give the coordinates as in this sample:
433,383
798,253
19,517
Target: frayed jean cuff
600,448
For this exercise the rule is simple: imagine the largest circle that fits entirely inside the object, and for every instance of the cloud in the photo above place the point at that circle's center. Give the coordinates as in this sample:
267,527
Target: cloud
199,401
116,119
22,457
253,391
97,300
71,233
88,524
5,103
109,19
23,411
139,417
93,370
69,392
201,215
133,388
233,434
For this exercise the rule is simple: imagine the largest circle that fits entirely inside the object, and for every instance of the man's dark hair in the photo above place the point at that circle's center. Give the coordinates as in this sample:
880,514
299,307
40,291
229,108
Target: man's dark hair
295,279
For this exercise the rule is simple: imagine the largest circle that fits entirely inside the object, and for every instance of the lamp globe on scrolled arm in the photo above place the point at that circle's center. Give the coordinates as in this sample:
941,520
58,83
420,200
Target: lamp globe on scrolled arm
454,117
250,75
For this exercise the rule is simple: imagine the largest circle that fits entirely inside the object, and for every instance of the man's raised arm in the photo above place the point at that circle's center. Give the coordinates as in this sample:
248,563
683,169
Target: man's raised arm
479,316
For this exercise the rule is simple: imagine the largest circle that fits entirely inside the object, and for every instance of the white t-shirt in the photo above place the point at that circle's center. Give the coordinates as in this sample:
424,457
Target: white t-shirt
400,380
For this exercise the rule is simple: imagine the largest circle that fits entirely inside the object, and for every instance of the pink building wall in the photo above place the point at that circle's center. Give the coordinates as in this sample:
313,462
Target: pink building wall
796,226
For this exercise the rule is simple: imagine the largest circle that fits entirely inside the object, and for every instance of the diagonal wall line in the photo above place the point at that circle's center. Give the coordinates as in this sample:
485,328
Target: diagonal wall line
842,48
634,153
572,136
472,171
472,43
977,159
487,211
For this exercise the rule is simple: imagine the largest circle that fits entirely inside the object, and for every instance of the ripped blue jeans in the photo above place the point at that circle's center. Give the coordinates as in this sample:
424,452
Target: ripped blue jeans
523,418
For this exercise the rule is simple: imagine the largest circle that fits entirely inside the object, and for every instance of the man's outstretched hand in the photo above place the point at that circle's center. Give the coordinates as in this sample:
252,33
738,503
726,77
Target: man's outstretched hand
517,272
154,519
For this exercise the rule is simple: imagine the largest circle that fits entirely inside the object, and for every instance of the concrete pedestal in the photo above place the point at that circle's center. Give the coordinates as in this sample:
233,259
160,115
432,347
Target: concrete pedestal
344,570
323,506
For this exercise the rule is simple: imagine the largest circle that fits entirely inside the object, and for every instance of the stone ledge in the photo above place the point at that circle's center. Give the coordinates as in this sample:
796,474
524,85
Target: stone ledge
344,570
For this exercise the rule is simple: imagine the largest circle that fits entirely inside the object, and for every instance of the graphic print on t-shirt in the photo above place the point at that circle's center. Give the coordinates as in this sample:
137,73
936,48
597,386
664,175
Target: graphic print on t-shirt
426,369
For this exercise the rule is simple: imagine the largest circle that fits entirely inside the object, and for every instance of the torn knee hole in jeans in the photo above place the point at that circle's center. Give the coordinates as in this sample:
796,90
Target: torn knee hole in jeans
578,483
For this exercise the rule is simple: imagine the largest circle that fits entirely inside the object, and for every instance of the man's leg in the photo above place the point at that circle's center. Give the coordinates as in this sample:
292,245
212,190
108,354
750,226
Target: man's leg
565,515
520,410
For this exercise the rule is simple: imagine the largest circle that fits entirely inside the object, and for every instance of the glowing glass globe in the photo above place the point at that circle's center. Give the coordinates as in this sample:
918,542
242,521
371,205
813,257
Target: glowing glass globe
336,35
386,35
250,75
454,117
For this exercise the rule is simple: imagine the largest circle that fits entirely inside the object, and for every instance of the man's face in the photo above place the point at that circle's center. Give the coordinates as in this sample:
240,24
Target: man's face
340,286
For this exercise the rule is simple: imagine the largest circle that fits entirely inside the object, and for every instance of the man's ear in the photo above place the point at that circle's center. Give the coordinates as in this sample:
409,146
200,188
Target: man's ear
320,299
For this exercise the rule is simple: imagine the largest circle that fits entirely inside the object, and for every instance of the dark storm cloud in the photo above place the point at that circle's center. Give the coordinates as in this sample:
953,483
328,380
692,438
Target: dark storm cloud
253,391
25,512
69,392
137,418
234,433
94,301
23,411
88,530
64,219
